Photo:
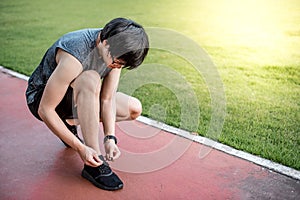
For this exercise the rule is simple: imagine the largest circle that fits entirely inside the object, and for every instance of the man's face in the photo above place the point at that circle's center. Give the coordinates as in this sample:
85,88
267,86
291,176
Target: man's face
110,60
115,63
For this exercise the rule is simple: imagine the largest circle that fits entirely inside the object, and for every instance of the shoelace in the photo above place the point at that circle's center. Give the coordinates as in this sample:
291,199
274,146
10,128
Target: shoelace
104,169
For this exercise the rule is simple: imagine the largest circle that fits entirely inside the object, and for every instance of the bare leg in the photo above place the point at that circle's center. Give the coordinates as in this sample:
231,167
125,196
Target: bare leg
127,107
86,89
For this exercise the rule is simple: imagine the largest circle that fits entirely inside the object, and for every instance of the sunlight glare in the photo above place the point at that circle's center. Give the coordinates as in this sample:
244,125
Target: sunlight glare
263,27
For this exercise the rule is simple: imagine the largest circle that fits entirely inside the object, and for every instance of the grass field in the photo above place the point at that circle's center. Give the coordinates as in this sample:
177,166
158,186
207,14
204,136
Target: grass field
254,44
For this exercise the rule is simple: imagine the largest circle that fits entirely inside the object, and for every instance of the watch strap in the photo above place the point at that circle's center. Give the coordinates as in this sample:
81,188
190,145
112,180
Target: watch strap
108,137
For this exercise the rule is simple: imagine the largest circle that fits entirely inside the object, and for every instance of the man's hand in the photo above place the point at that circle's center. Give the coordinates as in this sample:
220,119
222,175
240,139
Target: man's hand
89,156
112,150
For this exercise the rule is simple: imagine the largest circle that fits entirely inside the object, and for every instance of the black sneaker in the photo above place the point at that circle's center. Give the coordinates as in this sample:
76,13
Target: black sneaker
73,130
102,177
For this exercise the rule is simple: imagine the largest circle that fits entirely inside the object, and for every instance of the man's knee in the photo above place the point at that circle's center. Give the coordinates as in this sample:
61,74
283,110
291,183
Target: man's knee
135,108
88,81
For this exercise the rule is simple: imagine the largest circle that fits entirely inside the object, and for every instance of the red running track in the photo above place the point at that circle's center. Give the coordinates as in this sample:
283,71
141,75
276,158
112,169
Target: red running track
154,164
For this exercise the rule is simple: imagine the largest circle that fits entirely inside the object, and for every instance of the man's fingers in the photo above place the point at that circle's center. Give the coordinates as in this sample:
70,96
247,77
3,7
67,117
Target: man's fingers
92,163
96,157
117,155
112,152
111,155
108,157
92,158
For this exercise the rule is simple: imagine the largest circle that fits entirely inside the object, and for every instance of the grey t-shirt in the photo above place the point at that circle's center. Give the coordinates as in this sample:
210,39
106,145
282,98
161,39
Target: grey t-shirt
82,45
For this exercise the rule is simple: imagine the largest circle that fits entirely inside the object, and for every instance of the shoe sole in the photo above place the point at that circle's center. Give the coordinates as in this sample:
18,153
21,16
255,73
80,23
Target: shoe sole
86,175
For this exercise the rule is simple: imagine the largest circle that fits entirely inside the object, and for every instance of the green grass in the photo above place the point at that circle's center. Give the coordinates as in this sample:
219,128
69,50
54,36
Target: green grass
254,44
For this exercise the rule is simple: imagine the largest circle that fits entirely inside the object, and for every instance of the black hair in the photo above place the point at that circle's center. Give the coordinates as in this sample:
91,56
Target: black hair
127,41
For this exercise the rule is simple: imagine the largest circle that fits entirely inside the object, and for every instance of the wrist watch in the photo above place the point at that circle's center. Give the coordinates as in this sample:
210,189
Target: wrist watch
108,137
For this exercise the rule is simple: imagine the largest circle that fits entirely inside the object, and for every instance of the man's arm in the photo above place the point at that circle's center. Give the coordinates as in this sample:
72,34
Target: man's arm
68,69
108,110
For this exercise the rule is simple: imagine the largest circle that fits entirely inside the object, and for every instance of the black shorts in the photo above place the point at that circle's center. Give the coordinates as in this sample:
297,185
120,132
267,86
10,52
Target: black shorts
65,108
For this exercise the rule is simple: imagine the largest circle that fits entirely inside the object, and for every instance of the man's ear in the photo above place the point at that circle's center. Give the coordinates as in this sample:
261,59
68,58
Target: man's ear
105,44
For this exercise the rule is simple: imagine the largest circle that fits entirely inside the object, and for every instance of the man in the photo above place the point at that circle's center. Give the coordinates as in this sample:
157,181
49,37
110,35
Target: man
78,79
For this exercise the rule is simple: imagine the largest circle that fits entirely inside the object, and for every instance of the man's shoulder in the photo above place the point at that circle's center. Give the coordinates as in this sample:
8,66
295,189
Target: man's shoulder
85,31
80,38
